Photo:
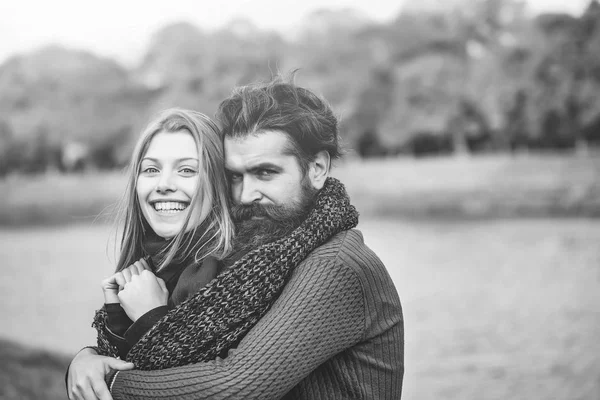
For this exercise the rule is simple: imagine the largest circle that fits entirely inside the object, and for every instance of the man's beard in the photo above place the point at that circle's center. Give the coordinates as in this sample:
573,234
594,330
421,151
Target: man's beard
257,224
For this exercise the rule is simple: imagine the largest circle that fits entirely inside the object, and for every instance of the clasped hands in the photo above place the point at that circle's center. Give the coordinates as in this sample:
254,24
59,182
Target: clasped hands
136,288
139,291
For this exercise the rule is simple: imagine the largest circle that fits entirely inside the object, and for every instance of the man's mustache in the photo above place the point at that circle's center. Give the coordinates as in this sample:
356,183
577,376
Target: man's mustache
244,212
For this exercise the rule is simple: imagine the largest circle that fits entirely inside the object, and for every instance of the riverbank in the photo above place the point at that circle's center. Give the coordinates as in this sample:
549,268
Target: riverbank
493,309
482,187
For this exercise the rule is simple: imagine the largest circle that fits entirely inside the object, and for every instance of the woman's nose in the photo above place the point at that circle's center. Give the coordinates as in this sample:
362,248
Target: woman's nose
166,183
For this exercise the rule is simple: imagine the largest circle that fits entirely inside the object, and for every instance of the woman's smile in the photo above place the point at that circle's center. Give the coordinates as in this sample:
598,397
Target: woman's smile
169,207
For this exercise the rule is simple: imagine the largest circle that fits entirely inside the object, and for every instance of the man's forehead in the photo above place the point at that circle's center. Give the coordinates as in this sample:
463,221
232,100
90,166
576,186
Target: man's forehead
264,147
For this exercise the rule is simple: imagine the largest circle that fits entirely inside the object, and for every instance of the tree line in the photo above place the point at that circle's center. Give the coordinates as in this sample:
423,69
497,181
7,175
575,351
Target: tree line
476,76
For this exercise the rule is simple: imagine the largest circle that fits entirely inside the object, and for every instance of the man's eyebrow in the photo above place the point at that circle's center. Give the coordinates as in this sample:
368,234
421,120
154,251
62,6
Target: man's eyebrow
254,168
264,165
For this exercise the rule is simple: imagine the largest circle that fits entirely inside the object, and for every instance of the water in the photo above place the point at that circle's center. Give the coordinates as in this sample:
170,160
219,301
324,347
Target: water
493,309
496,310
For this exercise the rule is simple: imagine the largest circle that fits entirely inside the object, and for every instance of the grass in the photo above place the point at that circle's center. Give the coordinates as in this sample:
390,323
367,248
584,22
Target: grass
479,187
496,186
54,198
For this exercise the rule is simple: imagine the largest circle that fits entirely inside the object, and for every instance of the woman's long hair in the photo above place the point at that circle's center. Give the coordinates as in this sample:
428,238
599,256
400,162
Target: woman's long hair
216,227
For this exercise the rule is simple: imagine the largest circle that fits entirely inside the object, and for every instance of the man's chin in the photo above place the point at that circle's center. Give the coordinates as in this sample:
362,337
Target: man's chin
260,226
253,233
265,224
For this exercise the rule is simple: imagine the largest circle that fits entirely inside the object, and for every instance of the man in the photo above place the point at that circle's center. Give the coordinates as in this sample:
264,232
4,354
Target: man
303,309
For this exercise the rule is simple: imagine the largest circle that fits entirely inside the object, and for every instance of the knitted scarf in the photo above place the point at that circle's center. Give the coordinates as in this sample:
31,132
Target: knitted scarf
220,314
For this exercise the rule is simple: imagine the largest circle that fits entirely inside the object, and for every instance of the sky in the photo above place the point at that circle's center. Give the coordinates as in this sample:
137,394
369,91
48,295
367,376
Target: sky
122,28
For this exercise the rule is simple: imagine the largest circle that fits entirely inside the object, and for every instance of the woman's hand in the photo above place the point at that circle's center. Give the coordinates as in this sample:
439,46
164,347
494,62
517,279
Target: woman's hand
115,283
85,377
144,292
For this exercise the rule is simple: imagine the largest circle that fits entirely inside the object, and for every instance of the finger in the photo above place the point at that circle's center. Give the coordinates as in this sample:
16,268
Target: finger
138,267
70,393
132,270
101,390
120,280
162,284
126,274
135,268
149,278
147,274
75,395
145,264
107,284
109,280
119,365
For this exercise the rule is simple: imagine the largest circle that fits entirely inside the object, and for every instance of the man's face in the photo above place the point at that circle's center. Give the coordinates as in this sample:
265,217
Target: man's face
270,193
261,171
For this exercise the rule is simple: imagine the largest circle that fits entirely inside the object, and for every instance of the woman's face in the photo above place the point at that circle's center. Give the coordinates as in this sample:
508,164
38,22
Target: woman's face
168,179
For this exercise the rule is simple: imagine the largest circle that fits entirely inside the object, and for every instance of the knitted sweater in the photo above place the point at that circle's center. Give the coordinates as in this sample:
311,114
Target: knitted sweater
336,332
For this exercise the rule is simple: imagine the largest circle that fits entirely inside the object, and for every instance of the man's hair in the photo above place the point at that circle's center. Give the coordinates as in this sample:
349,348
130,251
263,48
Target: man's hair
280,105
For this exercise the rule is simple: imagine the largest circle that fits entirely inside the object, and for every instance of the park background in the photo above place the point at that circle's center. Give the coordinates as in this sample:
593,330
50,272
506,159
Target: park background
472,130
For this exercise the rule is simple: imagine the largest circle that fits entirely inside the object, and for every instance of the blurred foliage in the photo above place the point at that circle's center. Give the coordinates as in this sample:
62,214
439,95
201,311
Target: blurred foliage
472,76
28,373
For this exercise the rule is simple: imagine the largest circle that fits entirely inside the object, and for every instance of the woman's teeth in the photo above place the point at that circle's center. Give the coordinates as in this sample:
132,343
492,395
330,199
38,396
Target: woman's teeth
169,206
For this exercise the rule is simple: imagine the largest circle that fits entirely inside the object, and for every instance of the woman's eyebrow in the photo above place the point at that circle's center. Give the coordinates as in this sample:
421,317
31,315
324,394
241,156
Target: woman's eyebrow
178,159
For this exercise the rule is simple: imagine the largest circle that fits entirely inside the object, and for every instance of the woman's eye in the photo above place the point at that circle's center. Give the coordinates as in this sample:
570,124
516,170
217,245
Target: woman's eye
188,171
149,170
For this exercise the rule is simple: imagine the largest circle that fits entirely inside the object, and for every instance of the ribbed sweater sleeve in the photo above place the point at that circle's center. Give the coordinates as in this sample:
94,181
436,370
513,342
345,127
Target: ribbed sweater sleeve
320,312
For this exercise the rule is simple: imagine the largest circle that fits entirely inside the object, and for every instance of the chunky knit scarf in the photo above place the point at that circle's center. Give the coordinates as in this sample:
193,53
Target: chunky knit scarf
220,314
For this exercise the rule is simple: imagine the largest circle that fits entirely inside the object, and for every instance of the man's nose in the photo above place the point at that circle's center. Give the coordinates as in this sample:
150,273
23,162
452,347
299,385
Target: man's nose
166,183
250,192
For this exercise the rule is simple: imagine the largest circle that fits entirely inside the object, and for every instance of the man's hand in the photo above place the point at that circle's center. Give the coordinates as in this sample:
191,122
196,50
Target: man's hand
115,283
85,380
143,293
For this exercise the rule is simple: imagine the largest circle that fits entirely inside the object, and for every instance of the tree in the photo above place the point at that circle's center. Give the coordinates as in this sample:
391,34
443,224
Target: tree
6,143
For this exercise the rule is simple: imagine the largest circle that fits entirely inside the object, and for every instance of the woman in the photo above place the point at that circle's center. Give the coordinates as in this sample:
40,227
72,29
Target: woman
175,224
175,216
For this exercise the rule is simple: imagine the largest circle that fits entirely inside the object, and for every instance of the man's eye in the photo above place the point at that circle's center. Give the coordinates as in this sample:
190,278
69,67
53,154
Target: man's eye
265,173
235,177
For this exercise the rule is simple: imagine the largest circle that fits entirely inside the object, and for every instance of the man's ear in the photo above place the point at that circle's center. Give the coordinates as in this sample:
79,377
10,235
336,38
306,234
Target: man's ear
318,170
